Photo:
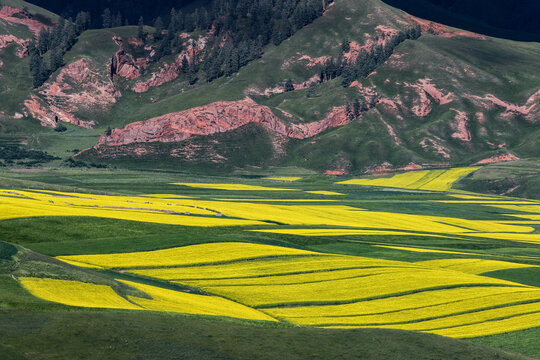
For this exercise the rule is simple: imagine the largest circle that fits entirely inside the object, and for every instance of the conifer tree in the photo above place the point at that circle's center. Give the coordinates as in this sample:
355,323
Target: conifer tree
289,86
107,18
158,25
140,28
43,40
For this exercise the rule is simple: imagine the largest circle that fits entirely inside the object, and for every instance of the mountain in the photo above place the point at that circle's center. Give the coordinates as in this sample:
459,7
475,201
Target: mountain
371,89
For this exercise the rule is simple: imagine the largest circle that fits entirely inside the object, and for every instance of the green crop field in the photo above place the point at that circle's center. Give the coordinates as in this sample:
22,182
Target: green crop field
212,256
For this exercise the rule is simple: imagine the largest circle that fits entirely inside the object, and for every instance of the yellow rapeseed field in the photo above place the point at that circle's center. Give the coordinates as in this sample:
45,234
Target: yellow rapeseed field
352,289
473,266
233,187
161,211
449,310
243,212
324,192
526,238
181,302
76,293
485,328
472,317
291,279
339,232
435,180
187,255
420,250
265,267
419,300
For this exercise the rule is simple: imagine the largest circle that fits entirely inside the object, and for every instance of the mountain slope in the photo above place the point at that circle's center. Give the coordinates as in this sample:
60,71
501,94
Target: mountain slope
449,97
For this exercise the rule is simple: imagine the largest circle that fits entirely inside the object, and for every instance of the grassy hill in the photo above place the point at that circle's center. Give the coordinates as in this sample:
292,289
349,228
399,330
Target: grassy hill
447,98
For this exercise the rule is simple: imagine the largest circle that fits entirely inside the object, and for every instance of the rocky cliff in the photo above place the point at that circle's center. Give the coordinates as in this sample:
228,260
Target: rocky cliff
214,118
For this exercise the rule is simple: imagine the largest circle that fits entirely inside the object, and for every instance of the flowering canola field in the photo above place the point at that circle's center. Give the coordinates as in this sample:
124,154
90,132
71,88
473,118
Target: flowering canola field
435,180
268,282
76,293
446,296
339,220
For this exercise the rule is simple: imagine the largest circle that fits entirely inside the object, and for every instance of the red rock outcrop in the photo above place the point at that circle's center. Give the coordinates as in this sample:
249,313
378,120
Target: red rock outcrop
169,72
214,118
50,115
530,110
124,65
386,167
18,16
498,159
77,87
462,126
434,143
441,30
8,40
423,105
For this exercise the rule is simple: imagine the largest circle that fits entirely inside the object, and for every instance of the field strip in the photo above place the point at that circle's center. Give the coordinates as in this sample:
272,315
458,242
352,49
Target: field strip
433,180
431,313
340,232
483,328
409,302
294,279
324,192
535,209
422,250
233,187
167,196
485,202
525,238
187,255
181,302
500,326
269,267
469,318
76,293
474,266
355,289
121,208
277,200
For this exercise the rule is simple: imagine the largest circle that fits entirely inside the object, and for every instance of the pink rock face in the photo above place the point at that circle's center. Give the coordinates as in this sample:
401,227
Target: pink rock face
441,30
124,65
463,34
462,126
214,118
169,72
49,115
481,118
386,167
135,42
8,40
530,110
308,60
428,87
434,144
422,105
77,87
498,159
17,16
335,172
